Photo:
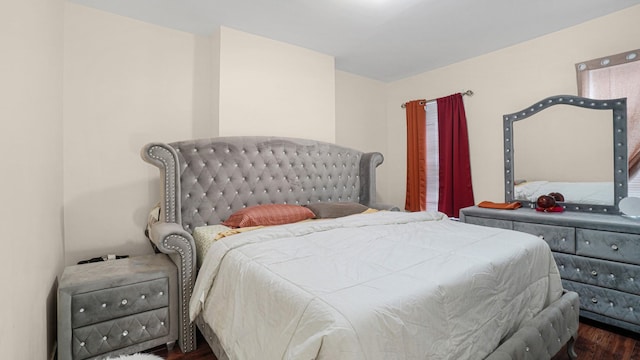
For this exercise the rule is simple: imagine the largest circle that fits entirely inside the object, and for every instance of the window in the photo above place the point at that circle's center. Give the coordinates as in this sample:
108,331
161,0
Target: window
612,77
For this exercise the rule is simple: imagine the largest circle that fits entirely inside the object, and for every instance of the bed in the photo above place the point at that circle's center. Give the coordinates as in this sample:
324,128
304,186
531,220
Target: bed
599,193
375,284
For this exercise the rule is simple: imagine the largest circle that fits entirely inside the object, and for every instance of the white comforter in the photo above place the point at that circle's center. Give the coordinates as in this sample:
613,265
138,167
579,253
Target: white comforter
388,285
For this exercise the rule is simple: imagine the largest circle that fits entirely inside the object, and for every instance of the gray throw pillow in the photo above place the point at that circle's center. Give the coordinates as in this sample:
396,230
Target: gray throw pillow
332,210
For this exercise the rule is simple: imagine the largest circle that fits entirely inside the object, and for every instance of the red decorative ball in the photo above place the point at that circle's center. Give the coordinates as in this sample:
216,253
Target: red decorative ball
557,196
546,202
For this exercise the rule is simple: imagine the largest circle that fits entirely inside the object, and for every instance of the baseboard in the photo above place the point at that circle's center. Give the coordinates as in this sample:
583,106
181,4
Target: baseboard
54,351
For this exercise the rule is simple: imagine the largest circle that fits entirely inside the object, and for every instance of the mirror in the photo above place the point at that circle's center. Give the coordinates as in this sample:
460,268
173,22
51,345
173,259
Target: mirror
571,145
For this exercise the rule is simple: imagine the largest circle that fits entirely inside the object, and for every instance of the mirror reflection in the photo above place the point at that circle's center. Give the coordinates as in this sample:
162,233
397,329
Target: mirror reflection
577,149
551,156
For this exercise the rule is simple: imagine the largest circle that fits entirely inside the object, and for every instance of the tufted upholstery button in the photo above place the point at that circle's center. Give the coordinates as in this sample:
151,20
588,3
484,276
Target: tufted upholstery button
124,301
125,333
104,305
143,296
81,310
104,338
82,343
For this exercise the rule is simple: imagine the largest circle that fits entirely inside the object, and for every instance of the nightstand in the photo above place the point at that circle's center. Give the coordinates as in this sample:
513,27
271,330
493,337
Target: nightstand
117,307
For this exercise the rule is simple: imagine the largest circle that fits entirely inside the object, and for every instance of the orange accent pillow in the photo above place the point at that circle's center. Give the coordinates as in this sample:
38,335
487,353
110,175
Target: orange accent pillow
269,214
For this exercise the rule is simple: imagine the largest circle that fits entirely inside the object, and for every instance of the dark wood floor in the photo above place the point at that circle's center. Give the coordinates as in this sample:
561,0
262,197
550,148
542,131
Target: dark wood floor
595,342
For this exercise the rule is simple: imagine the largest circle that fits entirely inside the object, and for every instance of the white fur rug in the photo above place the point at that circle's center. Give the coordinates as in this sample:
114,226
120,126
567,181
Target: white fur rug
137,357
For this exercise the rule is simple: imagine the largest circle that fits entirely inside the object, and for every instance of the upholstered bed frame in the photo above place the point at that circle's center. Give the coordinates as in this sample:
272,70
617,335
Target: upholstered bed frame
204,181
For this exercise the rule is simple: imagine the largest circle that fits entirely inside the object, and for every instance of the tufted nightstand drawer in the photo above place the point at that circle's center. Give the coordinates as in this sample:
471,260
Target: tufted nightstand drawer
559,238
609,245
116,307
597,272
97,306
495,223
610,303
105,337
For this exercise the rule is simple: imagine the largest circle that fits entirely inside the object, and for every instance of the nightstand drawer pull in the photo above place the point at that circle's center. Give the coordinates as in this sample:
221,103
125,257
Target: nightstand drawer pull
124,302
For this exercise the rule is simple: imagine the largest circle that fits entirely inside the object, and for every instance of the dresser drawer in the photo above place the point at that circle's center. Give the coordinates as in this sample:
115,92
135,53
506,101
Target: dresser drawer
609,245
97,306
495,223
610,303
597,272
559,238
104,337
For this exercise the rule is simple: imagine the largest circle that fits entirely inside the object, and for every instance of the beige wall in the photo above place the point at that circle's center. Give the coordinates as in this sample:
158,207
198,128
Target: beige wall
31,128
361,113
126,83
504,81
272,88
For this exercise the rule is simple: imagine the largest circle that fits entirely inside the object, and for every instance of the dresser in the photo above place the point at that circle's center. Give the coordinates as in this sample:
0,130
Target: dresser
598,256
117,307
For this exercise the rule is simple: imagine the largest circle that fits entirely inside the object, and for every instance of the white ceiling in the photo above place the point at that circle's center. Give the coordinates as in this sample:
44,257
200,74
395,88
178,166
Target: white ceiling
385,40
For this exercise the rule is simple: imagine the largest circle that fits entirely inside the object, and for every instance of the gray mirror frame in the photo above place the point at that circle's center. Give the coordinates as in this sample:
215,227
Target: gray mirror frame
620,163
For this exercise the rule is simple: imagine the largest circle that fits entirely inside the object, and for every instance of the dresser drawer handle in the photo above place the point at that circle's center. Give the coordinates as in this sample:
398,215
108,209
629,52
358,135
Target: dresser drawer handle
594,273
594,300
614,247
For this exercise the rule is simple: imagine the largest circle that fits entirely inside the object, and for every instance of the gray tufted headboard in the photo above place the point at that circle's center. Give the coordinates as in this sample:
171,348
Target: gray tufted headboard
204,181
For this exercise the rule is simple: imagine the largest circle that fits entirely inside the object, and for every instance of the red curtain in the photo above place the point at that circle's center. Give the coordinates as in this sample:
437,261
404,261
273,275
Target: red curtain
415,199
454,186
456,190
